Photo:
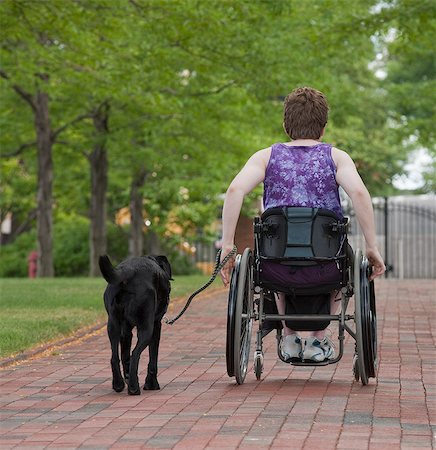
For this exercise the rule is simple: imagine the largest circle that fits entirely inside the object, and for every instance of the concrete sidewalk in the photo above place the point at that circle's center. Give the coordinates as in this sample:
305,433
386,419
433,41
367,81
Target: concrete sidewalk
65,401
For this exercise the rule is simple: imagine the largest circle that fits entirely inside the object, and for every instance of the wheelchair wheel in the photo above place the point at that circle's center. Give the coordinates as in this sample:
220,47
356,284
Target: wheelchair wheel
230,337
239,323
366,322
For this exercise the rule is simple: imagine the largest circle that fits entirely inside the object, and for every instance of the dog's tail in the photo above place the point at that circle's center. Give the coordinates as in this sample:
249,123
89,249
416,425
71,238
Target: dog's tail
108,270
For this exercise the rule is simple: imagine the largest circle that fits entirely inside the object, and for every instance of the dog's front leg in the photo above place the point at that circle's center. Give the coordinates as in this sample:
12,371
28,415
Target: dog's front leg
113,330
144,336
151,383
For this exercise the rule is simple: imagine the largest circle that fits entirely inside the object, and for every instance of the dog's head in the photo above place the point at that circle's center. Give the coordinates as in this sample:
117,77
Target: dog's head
164,264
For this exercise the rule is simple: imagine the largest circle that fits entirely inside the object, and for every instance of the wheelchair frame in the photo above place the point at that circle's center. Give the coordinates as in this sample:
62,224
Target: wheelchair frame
246,305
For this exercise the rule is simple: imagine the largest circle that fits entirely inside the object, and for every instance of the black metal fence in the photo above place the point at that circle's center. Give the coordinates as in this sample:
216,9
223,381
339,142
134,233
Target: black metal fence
406,232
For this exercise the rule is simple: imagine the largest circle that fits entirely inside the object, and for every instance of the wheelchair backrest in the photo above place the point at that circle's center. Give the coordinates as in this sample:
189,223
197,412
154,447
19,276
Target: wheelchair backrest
298,233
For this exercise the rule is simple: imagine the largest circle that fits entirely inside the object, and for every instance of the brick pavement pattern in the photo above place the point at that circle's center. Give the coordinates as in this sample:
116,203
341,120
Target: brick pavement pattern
65,401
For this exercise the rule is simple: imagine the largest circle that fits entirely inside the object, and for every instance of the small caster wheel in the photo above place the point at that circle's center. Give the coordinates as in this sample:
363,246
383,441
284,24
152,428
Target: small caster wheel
258,364
356,368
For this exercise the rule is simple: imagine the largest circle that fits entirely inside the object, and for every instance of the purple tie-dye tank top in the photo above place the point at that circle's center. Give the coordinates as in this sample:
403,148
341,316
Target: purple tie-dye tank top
301,176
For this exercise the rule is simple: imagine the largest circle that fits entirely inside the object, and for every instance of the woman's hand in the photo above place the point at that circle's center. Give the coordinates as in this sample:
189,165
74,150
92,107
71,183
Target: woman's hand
376,262
226,271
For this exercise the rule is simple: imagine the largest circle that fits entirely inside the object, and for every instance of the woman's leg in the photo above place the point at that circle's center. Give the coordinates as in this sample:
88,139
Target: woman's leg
281,308
318,347
335,303
291,344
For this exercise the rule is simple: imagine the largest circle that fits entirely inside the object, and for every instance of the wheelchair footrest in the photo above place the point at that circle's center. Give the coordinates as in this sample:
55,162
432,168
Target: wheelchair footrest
310,363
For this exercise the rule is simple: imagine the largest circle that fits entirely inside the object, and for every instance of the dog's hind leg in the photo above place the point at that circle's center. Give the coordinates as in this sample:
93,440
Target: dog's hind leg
151,382
126,344
113,330
144,337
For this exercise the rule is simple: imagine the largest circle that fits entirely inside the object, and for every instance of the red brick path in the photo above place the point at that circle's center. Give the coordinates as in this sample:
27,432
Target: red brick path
65,400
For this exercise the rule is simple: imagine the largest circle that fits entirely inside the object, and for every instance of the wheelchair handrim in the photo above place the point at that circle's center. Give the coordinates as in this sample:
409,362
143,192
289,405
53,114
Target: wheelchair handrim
243,320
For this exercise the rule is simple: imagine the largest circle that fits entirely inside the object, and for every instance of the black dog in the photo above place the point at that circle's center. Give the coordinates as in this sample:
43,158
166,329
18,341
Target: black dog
137,295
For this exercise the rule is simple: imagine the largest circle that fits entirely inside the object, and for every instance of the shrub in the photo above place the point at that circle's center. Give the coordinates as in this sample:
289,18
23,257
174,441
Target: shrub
181,263
72,246
117,242
13,260
70,250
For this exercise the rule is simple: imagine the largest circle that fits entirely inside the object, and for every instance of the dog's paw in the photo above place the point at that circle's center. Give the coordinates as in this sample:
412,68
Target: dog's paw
118,386
134,391
151,384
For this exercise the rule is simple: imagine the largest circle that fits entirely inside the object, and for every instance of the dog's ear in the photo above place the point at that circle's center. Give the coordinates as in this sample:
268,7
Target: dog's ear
165,265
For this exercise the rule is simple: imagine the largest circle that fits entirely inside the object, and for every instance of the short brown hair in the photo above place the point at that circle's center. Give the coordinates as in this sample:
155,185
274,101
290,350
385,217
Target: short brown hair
305,113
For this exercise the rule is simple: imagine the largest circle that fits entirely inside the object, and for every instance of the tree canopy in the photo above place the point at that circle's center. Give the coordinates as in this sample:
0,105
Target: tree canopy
192,88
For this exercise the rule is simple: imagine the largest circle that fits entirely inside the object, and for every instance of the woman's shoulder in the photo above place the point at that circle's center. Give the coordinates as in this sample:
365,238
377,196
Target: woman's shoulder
260,158
339,155
263,154
341,158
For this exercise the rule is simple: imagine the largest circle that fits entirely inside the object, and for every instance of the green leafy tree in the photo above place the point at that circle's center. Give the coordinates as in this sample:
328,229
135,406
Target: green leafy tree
33,45
407,45
156,105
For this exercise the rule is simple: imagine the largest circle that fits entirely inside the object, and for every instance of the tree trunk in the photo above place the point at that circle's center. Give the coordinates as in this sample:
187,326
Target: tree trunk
45,138
99,168
136,238
152,245
45,267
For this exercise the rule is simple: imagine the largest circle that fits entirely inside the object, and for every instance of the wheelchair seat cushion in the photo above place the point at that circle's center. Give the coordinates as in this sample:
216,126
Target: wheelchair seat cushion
276,274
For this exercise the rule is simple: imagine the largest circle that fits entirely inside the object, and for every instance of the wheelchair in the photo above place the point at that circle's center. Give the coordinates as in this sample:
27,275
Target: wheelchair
292,238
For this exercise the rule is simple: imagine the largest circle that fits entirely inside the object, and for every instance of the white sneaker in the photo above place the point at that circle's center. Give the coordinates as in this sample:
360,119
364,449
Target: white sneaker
290,347
317,351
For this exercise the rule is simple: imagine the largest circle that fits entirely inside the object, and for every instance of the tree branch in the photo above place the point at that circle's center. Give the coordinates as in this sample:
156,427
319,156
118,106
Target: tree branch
20,91
214,91
19,150
56,133
23,226
201,93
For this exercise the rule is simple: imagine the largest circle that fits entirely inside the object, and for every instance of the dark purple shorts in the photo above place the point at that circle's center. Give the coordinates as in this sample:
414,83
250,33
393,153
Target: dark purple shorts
300,277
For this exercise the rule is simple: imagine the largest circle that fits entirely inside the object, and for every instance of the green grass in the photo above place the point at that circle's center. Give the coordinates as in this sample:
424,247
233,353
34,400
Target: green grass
37,311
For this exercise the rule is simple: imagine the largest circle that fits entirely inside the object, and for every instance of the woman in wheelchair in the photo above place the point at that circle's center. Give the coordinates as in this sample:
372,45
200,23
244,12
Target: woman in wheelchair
303,172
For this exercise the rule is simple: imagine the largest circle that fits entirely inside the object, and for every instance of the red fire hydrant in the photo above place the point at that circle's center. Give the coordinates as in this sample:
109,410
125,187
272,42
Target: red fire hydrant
32,262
